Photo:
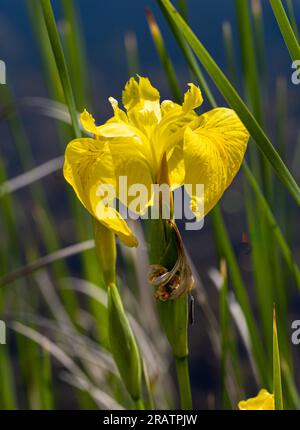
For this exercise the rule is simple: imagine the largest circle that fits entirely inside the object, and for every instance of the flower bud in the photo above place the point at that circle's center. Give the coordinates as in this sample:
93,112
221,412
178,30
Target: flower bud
123,345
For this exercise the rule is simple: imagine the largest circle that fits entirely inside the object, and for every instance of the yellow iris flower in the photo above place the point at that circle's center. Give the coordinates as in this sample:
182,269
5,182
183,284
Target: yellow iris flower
206,149
263,401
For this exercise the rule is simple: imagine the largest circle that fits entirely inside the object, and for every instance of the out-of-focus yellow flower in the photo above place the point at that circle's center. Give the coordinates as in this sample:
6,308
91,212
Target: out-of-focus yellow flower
263,401
206,149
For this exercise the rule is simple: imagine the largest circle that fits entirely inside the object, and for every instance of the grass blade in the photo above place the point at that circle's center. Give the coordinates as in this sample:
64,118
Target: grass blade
81,217
224,245
258,26
276,368
131,50
286,29
48,61
292,17
164,58
183,8
250,71
46,261
75,53
252,86
30,177
229,50
60,62
281,241
224,335
191,60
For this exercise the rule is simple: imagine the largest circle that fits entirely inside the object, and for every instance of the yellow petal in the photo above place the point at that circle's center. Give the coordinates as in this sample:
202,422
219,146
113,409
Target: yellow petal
88,165
111,219
88,122
130,149
131,94
115,129
139,91
119,115
192,98
141,101
213,154
131,159
176,167
132,166
175,118
167,106
263,401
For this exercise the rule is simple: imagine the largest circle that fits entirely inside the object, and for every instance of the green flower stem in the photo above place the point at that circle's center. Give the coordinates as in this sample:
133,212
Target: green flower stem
182,368
106,252
123,345
173,313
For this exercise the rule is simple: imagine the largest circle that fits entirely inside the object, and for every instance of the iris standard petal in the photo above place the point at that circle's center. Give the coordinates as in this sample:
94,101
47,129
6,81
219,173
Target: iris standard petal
192,98
168,135
213,153
141,101
175,118
137,92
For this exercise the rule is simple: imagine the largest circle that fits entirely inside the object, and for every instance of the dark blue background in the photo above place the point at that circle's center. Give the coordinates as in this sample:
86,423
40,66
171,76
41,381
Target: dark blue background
104,25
